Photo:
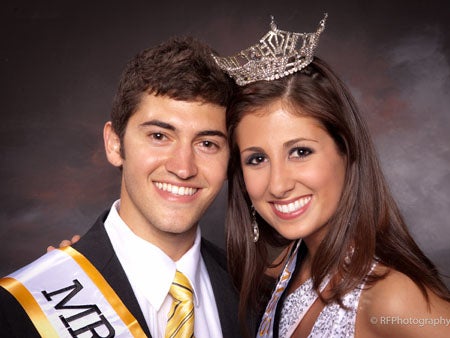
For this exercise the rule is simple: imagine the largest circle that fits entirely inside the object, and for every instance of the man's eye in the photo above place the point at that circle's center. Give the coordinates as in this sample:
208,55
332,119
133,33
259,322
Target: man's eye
157,136
209,144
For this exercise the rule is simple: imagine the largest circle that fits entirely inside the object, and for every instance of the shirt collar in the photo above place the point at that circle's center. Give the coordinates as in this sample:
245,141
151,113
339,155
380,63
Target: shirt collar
148,268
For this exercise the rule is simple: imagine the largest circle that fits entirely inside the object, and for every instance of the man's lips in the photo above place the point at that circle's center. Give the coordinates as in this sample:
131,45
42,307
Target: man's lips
176,189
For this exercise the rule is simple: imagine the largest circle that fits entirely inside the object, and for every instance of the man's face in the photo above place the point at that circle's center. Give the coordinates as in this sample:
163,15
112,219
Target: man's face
174,165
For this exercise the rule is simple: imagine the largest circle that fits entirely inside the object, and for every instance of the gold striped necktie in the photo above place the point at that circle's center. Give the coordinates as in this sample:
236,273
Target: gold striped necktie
180,322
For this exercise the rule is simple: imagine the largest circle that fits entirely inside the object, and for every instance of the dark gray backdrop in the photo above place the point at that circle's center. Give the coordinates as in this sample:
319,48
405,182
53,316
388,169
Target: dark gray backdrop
60,61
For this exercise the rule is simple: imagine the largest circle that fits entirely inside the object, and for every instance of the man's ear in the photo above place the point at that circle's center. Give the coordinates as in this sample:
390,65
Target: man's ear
112,145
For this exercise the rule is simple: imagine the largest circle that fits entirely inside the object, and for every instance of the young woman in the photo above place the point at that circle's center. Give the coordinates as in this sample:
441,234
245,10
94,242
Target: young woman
304,175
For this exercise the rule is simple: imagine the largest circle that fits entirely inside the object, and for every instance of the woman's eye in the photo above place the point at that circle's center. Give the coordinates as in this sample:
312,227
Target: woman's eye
255,159
300,152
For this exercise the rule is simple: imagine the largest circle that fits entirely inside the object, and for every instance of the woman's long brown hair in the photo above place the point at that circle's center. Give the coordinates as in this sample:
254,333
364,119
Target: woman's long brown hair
366,219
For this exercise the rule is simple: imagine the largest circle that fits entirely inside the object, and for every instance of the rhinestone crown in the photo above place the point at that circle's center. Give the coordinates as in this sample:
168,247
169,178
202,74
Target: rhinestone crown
275,56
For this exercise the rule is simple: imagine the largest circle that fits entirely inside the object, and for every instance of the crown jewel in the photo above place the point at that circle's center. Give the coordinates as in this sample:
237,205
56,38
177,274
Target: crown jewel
278,54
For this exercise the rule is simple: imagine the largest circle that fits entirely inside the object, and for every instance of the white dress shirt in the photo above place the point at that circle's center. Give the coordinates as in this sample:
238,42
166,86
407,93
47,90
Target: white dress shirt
151,272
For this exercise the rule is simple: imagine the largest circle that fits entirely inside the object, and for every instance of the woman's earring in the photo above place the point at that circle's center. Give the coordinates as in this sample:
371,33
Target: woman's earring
349,255
254,225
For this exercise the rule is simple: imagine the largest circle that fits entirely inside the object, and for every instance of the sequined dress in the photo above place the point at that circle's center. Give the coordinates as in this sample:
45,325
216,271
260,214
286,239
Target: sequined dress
333,321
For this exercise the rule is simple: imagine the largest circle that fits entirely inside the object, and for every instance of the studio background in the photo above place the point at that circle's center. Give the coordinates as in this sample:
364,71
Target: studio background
60,64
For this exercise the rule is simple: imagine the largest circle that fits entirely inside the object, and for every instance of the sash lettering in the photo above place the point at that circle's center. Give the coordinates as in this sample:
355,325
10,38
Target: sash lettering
89,315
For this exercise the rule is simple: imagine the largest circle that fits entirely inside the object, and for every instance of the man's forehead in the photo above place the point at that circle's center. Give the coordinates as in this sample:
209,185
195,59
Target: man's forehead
178,115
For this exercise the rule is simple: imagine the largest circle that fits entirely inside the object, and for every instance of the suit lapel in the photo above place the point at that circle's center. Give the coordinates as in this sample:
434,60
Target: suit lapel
225,294
96,246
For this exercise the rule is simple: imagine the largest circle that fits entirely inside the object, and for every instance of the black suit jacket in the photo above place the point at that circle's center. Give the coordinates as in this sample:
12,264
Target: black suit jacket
97,248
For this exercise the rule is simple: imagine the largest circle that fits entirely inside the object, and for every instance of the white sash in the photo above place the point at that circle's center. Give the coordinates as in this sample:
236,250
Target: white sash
65,296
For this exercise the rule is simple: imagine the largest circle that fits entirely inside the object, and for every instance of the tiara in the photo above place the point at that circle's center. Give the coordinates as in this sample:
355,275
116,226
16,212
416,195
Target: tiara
275,56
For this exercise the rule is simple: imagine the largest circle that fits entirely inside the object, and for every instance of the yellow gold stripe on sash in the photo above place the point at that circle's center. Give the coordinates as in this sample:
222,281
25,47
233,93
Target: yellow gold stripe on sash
107,291
32,308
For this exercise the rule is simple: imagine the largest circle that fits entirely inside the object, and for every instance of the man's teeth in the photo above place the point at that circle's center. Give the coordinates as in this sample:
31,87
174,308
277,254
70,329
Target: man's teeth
294,206
174,189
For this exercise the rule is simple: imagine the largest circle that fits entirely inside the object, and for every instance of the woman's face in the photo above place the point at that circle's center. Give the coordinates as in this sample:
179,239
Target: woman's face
292,169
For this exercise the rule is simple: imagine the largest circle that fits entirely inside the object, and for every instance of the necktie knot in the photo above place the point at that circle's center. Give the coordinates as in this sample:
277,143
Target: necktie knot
181,289
180,322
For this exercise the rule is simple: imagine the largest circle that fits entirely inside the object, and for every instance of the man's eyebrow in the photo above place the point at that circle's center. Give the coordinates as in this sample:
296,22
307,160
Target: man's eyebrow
212,133
158,123
168,126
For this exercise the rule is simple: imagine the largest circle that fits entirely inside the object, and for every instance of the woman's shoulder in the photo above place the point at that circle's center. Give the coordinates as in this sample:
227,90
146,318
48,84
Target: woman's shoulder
397,293
395,306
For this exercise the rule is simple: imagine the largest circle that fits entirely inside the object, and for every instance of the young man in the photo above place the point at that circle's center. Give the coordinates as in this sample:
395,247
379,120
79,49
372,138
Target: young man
167,135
